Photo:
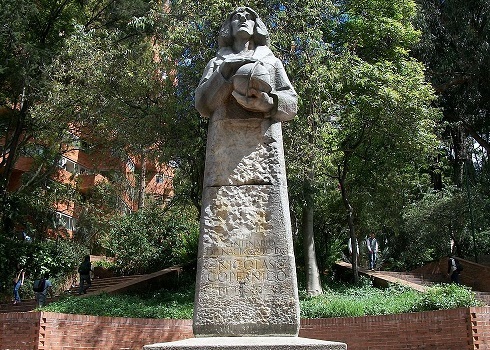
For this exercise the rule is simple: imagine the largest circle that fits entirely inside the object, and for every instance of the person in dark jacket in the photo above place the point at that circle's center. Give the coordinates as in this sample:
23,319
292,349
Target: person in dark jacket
84,270
47,289
453,269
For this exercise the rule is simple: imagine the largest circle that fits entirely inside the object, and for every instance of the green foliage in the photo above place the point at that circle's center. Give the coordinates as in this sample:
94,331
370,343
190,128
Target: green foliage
106,264
72,64
446,296
59,258
32,35
365,128
378,29
162,304
454,46
429,226
99,205
153,238
341,300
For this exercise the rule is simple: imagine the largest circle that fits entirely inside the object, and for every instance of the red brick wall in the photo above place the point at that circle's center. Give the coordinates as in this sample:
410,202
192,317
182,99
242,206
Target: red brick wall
458,329
480,327
448,330
19,330
70,332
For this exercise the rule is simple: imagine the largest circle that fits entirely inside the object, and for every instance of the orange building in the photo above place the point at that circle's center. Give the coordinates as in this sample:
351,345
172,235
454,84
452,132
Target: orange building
83,170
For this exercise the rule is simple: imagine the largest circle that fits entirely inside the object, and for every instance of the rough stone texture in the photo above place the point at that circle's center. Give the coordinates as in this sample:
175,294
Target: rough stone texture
248,343
246,277
244,151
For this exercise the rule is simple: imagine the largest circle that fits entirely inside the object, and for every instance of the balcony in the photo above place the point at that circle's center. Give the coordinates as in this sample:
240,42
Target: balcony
87,181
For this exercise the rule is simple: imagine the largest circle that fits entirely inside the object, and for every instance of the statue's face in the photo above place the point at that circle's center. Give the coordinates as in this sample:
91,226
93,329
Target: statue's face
242,23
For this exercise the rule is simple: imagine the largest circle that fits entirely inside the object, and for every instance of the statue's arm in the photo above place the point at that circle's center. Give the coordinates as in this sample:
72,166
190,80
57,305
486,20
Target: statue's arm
285,98
213,90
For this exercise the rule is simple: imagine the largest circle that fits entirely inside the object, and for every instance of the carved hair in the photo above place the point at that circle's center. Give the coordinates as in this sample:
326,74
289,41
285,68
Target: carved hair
260,35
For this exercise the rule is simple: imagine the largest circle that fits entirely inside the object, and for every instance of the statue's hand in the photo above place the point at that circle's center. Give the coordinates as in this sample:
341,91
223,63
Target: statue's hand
229,67
256,101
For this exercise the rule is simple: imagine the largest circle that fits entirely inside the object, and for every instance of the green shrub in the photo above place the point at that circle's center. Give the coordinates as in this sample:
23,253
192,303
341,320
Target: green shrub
57,257
343,300
446,296
106,264
338,300
153,238
173,304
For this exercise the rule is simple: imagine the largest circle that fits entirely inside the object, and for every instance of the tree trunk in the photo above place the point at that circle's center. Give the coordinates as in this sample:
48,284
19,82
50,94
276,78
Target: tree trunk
350,219
457,137
313,283
142,184
481,141
12,155
9,159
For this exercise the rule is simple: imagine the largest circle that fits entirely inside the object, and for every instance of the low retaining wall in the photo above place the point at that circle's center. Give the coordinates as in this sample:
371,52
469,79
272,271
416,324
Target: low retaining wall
19,330
458,329
55,331
448,329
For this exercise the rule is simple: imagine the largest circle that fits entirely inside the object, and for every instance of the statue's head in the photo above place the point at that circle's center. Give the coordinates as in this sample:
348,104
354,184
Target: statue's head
260,34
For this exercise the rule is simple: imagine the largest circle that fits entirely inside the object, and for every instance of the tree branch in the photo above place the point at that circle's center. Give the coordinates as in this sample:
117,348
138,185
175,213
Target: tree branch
481,141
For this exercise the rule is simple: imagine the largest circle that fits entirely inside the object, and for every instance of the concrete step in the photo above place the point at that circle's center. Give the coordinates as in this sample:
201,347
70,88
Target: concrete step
102,283
24,306
410,277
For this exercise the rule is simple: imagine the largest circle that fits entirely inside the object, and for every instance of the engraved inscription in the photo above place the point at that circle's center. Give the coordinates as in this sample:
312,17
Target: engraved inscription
247,247
250,270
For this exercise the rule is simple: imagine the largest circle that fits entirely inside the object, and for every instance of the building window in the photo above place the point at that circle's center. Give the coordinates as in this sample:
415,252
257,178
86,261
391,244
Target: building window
62,162
72,167
159,178
66,221
130,166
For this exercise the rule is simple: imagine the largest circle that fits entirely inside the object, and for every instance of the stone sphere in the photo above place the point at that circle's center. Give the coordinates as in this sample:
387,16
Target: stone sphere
252,75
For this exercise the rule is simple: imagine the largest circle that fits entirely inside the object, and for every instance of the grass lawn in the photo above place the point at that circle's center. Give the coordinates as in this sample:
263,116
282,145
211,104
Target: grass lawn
338,300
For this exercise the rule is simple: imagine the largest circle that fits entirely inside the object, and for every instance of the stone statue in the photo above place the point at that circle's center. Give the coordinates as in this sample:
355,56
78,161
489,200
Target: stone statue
243,46
246,280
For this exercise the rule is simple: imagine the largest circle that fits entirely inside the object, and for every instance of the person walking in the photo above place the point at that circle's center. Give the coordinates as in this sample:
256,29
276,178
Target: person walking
84,270
18,281
454,268
46,287
372,246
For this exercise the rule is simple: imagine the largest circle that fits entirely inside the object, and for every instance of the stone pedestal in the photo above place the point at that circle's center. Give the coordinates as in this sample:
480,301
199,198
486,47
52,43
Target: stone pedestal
246,274
248,343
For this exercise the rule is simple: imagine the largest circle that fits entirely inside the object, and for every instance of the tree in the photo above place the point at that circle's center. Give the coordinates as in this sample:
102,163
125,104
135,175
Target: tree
153,238
454,47
36,119
29,40
373,124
